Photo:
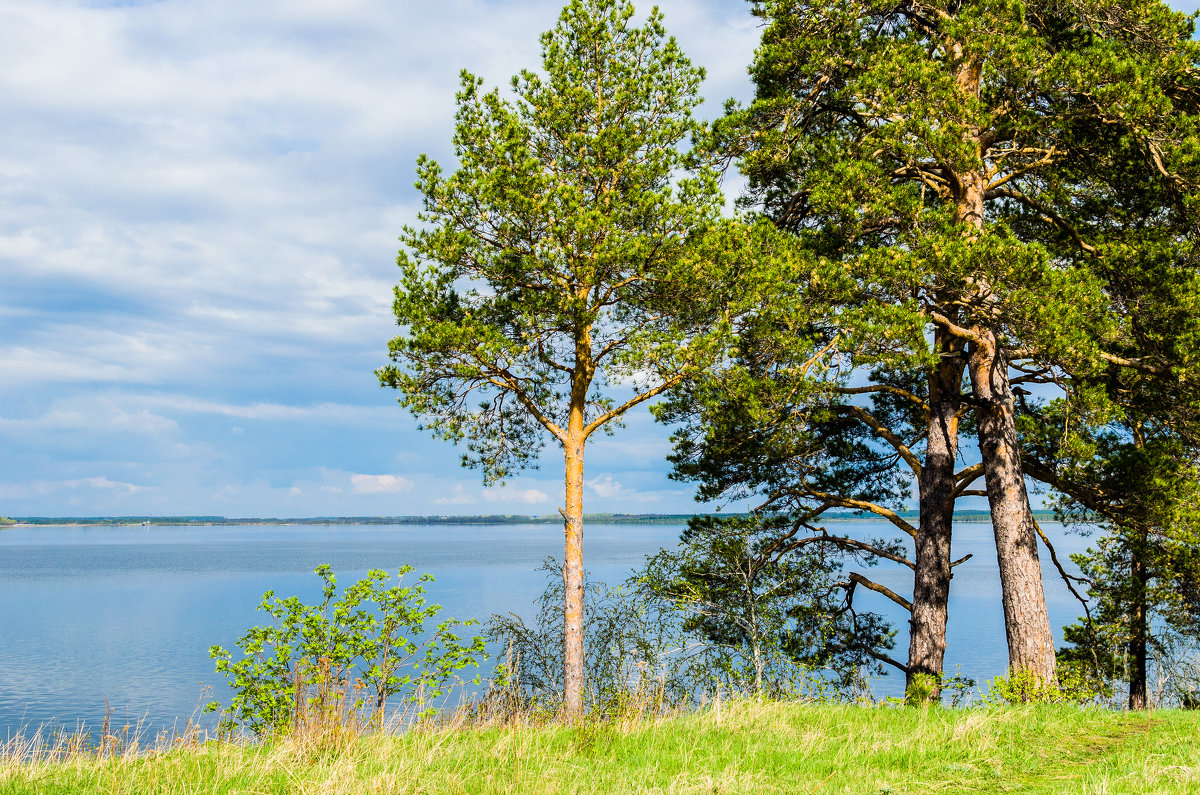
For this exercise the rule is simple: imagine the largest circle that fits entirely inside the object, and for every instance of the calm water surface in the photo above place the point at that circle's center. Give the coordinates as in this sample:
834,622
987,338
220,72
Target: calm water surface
129,613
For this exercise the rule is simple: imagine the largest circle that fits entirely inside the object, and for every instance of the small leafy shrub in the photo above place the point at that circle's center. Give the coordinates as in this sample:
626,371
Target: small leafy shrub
921,690
1074,686
341,660
928,689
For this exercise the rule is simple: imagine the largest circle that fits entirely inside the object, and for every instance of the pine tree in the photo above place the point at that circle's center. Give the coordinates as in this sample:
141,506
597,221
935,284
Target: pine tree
566,270
979,169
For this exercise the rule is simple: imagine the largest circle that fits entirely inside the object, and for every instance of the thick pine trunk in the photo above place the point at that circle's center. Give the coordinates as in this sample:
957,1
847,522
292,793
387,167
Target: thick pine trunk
1026,621
931,576
1137,630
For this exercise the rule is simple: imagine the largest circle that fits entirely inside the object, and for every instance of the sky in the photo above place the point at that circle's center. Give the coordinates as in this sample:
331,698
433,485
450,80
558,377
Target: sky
199,211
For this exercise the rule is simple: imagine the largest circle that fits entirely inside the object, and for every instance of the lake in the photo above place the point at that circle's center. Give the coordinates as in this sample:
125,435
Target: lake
129,613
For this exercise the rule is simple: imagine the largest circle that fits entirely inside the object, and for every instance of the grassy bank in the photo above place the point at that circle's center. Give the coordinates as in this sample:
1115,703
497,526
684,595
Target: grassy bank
735,748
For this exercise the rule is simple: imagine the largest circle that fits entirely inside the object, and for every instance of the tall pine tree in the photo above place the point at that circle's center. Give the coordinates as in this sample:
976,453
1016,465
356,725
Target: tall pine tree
980,171
566,270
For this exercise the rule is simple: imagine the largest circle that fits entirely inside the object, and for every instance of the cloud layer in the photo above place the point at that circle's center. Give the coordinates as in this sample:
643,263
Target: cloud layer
198,212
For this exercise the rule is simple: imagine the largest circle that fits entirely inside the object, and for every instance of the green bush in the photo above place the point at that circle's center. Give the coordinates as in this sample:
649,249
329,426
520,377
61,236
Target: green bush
927,689
341,660
1074,686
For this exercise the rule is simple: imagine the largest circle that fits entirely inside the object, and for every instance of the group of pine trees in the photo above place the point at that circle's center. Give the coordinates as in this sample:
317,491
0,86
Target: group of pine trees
969,235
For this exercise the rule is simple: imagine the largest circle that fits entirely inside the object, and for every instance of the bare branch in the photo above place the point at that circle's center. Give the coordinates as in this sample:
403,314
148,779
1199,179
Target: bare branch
949,325
511,384
967,476
863,505
1135,364
878,655
1067,578
883,589
849,543
1047,213
885,433
628,404
892,390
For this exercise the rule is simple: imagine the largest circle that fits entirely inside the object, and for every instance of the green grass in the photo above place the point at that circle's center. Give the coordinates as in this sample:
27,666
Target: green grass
732,747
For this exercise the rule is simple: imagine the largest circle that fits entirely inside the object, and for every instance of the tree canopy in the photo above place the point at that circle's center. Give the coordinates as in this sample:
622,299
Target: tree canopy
1012,192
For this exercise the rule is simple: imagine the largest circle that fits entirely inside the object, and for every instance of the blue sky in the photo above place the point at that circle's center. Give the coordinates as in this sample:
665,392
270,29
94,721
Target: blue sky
199,206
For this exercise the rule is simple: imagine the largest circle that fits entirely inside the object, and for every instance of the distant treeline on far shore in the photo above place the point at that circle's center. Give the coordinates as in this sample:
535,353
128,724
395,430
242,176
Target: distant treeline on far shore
593,518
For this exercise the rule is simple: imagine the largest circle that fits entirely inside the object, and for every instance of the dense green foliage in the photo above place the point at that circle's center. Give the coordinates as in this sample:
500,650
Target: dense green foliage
1143,573
997,198
342,657
973,217
569,247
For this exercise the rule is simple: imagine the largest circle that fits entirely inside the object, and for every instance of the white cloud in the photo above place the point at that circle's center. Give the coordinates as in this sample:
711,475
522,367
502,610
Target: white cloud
460,497
73,354
199,206
609,488
605,486
103,483
524,496
379,484
253,411
95,416
42,488
325,412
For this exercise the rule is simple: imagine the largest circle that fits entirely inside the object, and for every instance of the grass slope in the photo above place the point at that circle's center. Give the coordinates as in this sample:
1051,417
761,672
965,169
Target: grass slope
731,748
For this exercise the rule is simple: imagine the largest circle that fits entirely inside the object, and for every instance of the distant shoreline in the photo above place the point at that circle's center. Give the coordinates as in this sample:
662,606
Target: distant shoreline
549,519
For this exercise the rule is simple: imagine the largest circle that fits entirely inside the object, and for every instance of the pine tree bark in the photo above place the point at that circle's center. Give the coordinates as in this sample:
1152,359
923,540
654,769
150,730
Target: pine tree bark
1138,631
574,671
573,659
1026,620
931,575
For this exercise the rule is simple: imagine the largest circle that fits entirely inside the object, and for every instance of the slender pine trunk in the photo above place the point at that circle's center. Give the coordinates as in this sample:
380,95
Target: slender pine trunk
1138,629
931,575
574,673
573,659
